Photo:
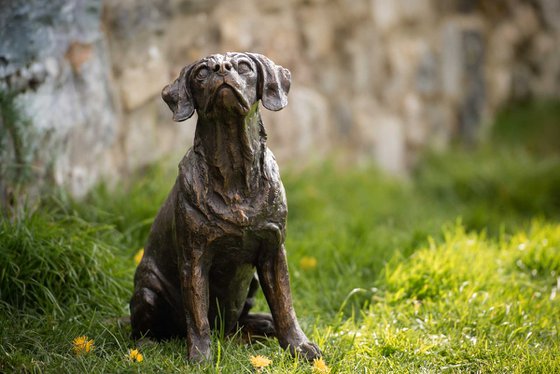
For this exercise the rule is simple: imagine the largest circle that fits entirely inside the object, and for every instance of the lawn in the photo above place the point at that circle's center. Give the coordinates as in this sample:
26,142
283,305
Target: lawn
456,268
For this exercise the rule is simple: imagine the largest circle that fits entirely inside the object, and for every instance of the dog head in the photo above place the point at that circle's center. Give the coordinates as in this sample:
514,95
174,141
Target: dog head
228,83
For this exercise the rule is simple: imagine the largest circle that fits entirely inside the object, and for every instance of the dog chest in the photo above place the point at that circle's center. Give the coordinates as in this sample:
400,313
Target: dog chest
243,246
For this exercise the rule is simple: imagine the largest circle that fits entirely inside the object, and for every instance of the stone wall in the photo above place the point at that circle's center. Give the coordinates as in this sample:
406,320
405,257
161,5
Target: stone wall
54,63
372,79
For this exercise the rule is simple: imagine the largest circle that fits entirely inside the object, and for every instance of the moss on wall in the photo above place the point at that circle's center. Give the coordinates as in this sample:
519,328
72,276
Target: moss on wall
16,153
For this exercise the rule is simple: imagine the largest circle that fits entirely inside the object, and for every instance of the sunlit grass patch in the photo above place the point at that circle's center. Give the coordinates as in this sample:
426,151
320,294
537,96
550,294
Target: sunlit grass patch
465,304
432,272
538,253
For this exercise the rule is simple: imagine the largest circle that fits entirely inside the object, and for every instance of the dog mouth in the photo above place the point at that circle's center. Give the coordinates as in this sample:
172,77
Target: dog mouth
226,96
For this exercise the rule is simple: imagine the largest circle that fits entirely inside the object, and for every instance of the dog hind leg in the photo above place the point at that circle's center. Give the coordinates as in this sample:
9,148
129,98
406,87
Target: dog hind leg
152,317
254,325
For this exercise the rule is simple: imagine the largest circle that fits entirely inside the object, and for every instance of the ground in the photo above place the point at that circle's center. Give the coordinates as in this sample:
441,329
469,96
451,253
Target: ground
455,269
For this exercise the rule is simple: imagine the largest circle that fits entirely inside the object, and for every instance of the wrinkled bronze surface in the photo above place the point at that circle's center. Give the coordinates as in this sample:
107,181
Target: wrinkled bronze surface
225,215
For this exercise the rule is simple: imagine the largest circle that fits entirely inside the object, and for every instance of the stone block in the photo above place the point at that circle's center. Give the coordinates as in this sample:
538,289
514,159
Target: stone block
277,36
526,20
140,136
390,145
417,11
451,60
236,26
317,31
301,132
550,12
130,20
361,130
368,59
385,14
390,14
142,82
427,74
440,122
380,135
415,126
403,59
173,137
181,46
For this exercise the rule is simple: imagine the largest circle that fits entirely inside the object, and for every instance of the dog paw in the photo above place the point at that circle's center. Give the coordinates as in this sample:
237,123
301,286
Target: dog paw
199,355
256,325
298,344
307,350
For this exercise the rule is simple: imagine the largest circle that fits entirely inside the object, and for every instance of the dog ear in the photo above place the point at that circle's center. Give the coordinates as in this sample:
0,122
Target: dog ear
178,97
274,82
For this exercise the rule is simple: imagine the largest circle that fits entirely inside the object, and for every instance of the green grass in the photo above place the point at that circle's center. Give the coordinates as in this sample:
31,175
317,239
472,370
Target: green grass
456,269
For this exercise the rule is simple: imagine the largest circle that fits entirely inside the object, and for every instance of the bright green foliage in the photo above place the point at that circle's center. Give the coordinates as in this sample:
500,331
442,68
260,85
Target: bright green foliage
468,303
455,269
15,140
49,263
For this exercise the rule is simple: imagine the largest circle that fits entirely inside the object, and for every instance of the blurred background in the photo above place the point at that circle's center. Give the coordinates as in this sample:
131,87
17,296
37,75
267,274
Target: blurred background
372,80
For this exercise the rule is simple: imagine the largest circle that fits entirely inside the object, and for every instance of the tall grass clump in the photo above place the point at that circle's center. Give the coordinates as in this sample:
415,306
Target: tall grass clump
53,262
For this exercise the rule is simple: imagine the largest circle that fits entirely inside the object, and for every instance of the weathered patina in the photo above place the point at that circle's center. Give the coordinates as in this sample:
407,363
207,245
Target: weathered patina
225,215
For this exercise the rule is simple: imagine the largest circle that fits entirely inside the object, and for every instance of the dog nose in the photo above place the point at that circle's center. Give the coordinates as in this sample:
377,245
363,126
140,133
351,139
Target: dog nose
222,68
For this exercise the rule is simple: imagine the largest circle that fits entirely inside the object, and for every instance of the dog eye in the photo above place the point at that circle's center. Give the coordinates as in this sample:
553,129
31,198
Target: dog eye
202,73
243,67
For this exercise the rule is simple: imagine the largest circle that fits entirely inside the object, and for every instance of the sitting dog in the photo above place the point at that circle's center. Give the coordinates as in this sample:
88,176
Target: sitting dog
224,217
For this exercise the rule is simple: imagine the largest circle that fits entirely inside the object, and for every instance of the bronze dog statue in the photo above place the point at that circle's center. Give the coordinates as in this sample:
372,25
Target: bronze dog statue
224,217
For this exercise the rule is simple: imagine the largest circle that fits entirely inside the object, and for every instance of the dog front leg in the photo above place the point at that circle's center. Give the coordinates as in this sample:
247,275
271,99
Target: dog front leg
195,290
273,274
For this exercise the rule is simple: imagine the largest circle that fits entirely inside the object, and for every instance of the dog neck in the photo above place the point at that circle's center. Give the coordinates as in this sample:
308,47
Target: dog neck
233,147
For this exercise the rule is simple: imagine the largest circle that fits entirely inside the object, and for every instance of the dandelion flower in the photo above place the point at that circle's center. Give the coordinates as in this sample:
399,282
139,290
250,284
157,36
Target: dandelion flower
138,256
135,356
308,263
82,345
259,362
320,367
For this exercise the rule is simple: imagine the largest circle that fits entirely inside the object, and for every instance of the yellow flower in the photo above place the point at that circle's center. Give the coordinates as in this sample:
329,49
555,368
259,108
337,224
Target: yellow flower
82,345
259,362
138,256
320,367
308,263
135,356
